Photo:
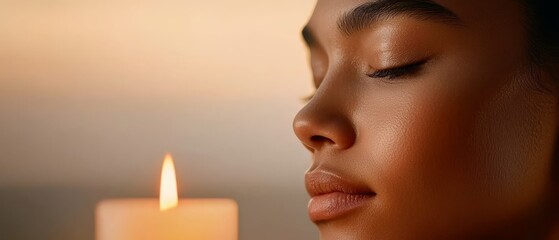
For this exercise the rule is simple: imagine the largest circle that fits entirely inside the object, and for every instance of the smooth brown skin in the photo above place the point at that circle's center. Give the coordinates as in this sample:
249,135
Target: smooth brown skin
463,149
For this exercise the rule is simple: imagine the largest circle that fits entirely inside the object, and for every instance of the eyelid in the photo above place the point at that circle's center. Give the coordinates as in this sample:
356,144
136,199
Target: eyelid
398,71
390,73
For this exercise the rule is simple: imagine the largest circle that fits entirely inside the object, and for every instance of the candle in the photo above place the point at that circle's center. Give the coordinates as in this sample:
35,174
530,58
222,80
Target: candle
169,218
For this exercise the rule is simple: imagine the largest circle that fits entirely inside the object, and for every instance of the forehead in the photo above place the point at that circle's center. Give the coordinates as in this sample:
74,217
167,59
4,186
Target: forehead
485,17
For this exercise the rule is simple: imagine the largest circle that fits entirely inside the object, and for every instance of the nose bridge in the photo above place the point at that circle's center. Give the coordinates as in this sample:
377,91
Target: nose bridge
326,120
335,90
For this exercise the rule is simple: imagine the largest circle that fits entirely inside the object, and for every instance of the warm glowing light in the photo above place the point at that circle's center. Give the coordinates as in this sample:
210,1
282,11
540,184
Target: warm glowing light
168,196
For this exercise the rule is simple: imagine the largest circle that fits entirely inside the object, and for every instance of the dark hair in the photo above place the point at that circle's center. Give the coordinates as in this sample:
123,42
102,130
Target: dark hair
543,29
542,24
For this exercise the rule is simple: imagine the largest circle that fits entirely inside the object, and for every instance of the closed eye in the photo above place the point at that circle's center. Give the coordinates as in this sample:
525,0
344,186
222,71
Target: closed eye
390,73
397,72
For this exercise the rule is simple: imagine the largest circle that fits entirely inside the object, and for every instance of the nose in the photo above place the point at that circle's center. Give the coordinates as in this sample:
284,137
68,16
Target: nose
320,125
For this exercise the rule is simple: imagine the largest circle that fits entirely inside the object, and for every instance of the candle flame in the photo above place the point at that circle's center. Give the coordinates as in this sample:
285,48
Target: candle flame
168,196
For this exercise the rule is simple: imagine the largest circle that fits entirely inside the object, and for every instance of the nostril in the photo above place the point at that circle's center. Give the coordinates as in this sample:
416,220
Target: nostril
317,139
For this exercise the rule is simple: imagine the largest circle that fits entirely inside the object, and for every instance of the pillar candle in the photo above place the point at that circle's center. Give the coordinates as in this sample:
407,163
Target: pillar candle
167,218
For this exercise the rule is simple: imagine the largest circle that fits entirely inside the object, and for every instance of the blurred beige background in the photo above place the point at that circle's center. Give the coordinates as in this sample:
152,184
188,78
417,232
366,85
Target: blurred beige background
93,93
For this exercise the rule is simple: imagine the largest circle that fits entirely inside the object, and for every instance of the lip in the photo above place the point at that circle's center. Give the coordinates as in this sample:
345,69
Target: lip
333,196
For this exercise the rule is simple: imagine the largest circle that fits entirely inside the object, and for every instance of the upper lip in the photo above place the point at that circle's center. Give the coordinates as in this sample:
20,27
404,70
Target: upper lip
320,182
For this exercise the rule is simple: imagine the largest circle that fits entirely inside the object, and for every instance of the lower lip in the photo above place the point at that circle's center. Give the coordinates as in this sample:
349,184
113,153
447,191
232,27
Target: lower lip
333,205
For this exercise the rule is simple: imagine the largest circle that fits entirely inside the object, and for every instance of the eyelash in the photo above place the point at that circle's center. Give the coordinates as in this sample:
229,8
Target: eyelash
396,72
390,73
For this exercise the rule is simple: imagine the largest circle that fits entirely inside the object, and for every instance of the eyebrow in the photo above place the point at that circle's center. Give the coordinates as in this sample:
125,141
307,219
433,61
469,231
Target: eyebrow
362,16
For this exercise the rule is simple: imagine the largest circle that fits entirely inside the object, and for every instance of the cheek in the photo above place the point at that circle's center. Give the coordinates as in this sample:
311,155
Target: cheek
474,153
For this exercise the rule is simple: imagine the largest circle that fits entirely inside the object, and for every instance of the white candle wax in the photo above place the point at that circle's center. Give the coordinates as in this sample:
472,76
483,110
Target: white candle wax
192,219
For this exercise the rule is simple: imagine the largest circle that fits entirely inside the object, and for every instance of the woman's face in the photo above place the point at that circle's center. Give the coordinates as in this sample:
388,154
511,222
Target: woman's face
425,123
